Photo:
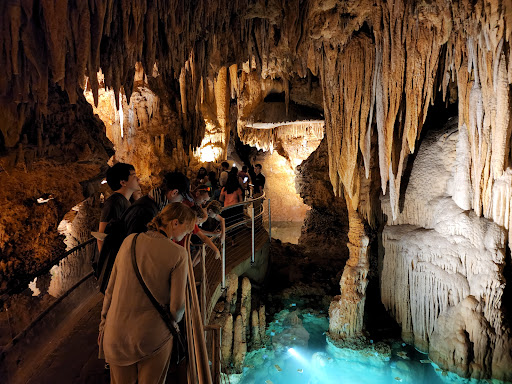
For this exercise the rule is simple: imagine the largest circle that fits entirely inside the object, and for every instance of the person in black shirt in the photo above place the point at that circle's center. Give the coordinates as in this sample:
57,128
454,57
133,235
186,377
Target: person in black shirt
135,219
258,180
123,180
172,190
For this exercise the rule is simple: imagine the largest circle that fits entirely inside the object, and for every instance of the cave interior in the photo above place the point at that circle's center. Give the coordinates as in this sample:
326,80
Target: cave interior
383,129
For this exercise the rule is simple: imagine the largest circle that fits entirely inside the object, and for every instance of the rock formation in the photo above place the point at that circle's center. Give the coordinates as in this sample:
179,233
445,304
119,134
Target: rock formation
442,276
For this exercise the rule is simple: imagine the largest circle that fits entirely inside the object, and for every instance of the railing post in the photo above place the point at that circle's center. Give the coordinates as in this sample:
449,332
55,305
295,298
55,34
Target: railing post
269,223
252,230
223,284
203,283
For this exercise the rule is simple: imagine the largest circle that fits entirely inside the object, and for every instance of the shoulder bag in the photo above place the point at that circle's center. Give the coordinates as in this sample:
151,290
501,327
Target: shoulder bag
179,350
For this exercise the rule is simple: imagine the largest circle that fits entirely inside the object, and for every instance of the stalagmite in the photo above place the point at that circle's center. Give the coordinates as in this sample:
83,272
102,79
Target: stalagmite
245,309
231,292
255,329
347,310
262,323
227,341
239,345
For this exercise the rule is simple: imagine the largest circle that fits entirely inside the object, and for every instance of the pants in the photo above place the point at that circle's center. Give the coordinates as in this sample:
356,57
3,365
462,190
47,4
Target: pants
149,371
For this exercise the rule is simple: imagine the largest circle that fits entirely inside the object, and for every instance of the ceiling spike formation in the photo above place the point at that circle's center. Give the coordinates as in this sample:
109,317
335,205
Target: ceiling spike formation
380,64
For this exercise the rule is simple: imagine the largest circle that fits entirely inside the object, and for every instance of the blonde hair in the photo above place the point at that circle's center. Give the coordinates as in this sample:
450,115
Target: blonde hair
214,206
171,212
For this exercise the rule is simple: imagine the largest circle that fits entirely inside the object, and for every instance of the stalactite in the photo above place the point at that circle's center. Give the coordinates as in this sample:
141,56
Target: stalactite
347,110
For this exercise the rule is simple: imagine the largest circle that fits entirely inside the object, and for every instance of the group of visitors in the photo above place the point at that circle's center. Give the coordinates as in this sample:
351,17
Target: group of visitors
142,263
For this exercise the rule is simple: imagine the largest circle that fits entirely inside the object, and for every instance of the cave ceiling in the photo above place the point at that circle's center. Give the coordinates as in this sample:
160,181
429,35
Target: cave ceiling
380,64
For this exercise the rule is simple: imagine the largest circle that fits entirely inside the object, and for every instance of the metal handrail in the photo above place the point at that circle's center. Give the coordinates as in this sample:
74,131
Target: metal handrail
245,202
22,285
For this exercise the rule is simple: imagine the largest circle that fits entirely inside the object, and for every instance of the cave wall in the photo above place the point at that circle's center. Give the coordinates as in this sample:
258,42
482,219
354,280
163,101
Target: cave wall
56,156
443,266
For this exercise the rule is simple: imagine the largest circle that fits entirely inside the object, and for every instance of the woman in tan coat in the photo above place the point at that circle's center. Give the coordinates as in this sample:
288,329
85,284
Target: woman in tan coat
133,338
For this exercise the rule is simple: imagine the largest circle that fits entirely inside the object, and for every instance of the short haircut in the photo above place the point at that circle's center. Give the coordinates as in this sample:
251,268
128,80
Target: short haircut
214,206
225,164
173,211
117,173
244,168
258,166
198,211
176,180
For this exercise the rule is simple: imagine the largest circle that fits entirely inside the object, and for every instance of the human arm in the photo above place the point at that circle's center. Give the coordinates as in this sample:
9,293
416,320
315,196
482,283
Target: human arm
178,287
101,229
222,196
222,222
107,300
205,239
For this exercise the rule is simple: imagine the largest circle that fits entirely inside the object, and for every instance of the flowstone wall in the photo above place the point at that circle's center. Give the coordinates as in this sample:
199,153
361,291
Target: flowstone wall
442,269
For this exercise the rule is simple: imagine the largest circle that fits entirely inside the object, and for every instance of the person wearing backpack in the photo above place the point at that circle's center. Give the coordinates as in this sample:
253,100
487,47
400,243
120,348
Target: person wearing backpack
134,336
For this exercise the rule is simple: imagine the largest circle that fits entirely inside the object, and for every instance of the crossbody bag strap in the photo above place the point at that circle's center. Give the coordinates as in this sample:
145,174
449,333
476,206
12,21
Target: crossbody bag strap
165,315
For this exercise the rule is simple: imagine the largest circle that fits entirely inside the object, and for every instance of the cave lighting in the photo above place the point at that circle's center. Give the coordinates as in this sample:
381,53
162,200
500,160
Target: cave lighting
44,199
104,181
293,352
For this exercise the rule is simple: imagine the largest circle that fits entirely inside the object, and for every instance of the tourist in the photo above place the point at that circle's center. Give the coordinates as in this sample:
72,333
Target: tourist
201,218
224,174
202,176
214,187
198,196
135,219
244,179
134,339
213,211
173,189
258,181
230,195
123,180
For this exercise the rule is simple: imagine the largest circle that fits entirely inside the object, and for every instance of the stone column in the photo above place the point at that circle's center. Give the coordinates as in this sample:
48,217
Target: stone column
347,310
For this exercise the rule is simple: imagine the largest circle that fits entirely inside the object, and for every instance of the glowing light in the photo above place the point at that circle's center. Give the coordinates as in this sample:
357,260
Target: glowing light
42,200
293,352
104,182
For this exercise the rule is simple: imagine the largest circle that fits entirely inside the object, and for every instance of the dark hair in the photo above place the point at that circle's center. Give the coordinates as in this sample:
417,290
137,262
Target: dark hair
212,177
232,183
214,206
225,164
234,171
175,180
117,173
201,173
244,168
258,166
